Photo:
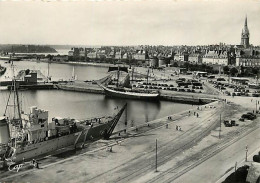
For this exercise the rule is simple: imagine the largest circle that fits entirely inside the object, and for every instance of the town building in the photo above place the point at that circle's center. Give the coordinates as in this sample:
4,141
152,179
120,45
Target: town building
248,57
216,57
195,58
140,55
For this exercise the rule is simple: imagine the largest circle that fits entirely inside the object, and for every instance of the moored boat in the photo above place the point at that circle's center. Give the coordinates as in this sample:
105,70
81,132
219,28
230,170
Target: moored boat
36,136
124,90
2,70
130,94
28,136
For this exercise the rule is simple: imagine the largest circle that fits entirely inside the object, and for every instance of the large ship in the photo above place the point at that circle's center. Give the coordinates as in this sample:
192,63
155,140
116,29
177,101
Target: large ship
125,90
130,94
35,135
28,136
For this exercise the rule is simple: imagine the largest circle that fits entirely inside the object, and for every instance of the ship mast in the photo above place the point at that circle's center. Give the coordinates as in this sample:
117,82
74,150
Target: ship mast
147,75
118,72
16,104
48,71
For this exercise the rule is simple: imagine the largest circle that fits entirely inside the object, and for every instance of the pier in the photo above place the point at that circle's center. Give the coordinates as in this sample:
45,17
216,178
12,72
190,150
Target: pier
187,98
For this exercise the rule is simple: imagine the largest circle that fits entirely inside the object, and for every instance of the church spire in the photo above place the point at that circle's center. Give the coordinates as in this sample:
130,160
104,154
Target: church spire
246,21
245,35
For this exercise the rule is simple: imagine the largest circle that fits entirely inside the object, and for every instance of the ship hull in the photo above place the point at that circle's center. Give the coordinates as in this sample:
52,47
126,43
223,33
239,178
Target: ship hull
130,95
95,132
45,147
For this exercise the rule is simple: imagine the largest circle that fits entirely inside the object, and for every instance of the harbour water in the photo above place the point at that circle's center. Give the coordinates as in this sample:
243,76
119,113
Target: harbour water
56,71
84,105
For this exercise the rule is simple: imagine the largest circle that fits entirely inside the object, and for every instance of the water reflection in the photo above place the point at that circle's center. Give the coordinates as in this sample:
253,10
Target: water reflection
83,105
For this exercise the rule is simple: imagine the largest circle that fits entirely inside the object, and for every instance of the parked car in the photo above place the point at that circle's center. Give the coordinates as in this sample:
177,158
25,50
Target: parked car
233,123
242,119
252,114
248,116
227,124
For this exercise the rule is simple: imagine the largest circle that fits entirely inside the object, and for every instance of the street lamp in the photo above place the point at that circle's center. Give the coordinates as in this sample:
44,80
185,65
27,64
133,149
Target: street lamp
156,156
219,127
255,106
246,152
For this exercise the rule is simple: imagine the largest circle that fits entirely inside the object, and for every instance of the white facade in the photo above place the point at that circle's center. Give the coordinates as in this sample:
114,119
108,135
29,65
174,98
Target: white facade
247,61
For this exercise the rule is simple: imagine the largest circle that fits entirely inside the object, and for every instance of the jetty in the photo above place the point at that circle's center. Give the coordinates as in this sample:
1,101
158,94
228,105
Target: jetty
173,96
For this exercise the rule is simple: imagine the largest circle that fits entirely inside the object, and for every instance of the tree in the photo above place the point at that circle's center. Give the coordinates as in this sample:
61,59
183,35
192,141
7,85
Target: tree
233,71
226,70
175,64
255,71
186,65
27,71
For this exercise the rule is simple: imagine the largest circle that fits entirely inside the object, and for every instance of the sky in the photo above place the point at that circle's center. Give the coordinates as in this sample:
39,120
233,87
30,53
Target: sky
139,22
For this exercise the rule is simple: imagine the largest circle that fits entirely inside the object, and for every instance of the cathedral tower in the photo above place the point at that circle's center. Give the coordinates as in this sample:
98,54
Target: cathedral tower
245,35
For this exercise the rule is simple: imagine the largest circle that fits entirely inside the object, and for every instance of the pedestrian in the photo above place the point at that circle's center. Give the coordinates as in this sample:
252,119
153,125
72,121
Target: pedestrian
177,127
197,115
180,128
194,113
251,100
37,165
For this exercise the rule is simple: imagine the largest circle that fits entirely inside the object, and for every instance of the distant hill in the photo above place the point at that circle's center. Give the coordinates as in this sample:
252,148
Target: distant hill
68,47
26,48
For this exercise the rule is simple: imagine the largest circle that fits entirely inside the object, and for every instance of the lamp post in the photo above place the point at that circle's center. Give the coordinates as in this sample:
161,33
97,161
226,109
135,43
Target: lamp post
156,155
255,106
219,127
246,152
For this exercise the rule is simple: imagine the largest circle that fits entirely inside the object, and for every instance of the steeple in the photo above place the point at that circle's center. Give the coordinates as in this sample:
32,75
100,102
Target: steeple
245,30
245,35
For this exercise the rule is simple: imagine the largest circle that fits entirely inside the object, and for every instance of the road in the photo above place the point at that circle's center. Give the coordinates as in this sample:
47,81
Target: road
219,166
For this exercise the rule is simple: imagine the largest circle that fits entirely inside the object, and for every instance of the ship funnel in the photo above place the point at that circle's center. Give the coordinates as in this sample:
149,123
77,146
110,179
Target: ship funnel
4,131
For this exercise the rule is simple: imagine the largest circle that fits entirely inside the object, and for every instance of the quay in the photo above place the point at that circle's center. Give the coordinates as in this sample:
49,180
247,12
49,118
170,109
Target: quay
187,98
178,150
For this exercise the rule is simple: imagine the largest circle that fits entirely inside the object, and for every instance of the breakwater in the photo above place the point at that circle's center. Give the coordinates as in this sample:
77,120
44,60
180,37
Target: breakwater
187,99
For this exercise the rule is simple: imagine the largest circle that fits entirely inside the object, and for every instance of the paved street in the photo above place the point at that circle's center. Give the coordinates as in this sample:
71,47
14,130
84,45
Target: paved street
215,167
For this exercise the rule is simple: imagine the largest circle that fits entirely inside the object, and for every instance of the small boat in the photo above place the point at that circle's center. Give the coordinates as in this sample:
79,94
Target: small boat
8,58
2,70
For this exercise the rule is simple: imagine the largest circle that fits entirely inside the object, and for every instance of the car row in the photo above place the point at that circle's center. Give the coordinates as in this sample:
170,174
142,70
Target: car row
248,116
